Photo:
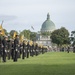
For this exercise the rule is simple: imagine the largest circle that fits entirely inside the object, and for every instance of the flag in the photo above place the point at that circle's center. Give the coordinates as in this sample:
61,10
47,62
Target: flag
2,23
32,27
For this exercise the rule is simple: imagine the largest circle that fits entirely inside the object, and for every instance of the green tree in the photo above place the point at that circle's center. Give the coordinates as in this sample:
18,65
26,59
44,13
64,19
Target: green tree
26,33
33,36
60,36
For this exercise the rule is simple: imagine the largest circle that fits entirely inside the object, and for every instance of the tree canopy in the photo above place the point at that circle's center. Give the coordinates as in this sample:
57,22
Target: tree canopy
33,36
28,34
60,36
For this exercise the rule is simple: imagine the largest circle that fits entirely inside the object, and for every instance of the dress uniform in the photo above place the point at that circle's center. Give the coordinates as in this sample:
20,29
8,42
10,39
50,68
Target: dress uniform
36,49
12,49
28,47
23,50
9,46
31,48
4,42
16,46
1,45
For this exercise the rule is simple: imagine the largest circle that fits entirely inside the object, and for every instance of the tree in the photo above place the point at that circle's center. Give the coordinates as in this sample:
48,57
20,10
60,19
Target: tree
60,36
26,33
33,36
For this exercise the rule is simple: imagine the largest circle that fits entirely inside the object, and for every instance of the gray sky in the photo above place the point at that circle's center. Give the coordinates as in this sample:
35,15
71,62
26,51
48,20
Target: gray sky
22,14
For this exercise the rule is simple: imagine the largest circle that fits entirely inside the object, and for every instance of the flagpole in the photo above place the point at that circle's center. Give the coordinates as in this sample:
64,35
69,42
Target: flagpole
2,23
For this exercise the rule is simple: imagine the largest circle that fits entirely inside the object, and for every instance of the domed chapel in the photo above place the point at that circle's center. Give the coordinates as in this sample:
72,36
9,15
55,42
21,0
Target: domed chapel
47,26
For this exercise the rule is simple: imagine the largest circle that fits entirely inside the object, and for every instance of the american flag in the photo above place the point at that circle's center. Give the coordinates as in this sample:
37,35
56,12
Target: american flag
32,27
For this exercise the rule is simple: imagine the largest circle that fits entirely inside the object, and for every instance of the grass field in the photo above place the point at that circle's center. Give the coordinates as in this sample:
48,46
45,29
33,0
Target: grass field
51,63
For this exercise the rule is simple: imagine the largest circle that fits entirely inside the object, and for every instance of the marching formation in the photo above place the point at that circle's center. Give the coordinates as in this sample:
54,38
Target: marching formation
19,49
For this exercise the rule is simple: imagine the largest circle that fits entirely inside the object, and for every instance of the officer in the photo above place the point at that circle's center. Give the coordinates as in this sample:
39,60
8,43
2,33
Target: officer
28,49
42,49
4,42
20,50
39,48
36,49
1,38
9,47
31,49
23,50
12,49
16,46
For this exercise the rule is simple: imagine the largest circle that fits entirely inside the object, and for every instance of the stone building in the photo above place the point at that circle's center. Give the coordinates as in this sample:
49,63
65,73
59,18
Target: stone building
47,26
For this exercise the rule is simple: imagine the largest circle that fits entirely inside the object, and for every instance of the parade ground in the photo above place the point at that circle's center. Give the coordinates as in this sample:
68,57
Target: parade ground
50,63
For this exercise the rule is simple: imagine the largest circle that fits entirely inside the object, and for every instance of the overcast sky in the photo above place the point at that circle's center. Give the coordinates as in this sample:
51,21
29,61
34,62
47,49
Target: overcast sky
22,14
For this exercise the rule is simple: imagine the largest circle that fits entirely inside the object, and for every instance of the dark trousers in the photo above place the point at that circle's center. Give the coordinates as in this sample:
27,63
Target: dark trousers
4,55
23,54
15,55
8,54
27,54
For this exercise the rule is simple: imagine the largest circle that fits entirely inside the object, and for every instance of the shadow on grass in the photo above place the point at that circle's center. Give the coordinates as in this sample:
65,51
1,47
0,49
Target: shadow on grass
34,69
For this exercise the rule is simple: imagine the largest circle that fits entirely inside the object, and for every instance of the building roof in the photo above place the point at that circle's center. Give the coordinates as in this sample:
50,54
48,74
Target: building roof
48,25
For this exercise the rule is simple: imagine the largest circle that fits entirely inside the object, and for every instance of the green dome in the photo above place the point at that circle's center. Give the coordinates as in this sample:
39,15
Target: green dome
48,25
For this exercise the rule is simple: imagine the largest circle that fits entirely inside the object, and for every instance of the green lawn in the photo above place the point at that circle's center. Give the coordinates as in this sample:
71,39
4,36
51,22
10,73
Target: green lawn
51,63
